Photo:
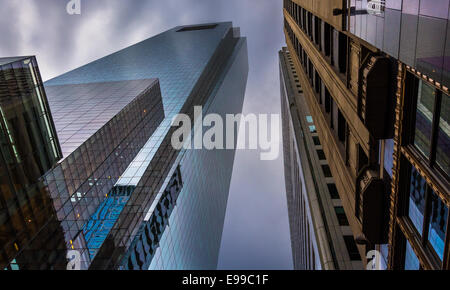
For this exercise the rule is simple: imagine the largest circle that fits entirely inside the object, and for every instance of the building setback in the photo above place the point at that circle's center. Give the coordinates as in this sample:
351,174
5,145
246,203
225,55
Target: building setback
375,79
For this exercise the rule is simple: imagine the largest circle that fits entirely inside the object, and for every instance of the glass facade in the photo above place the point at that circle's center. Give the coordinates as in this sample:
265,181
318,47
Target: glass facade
28,148
190,63
443,142
438,225
411,260
114,130
192,239
413,31
424,117
417,189
430,128
428,213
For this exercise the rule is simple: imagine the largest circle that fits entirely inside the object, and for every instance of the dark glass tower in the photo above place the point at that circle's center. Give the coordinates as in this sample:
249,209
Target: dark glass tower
101,128
29,147
166,210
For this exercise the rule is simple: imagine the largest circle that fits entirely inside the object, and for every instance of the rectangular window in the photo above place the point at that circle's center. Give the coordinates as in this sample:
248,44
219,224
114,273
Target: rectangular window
321,154
438,225
342,124
352,249
411,260
443,141
326,171
317,83
388,155
428,213
333,191
417,191
316,140
340,214
327,101
430,124
424,117
326,38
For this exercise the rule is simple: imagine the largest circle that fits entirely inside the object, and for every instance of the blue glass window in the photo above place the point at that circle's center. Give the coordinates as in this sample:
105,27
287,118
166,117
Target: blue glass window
417,199
411,260
438,225
424,117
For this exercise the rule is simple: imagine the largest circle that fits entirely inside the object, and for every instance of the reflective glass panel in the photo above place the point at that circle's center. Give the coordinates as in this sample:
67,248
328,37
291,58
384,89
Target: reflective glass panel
438,225
417,191
424,117
411,260
443,143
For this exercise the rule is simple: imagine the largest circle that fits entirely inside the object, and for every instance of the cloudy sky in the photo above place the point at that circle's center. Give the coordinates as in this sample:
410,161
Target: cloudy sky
256,233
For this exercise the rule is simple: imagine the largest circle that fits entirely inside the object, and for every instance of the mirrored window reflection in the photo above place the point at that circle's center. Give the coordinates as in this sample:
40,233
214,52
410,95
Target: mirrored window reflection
424,117
388,156
412,7
392,35
438,225
430,46
408,36
411,260
443,142
434,8
394,4
417,191
446,65
411,30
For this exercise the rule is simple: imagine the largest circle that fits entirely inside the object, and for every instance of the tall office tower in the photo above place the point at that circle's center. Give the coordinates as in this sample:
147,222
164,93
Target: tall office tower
166,210
29,147
375,77
320,234
101,128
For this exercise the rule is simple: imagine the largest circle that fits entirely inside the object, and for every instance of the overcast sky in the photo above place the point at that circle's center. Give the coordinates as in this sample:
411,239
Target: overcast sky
256,232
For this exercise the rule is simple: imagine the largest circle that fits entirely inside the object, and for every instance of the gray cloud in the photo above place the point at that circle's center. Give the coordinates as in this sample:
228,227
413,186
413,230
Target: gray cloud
256,233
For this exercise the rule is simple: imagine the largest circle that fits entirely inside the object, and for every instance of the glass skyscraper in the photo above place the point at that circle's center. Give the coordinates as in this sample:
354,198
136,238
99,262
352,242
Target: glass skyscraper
126,199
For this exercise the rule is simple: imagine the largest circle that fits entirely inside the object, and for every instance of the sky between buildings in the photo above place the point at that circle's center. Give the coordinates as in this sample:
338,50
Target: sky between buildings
256,231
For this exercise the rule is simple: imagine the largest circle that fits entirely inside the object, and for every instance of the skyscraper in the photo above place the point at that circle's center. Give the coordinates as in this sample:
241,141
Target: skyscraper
151,203
29,148
375,78
100,127
320,234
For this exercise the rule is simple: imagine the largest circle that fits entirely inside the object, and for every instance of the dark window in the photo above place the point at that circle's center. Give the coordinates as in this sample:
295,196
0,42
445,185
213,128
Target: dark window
321,154
340,214
334,111
362,158
333,191
327,101
340,51
326,171
430,126
426,97
326,38
316,30
342,124
352,249
317,83
443,141
316,140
